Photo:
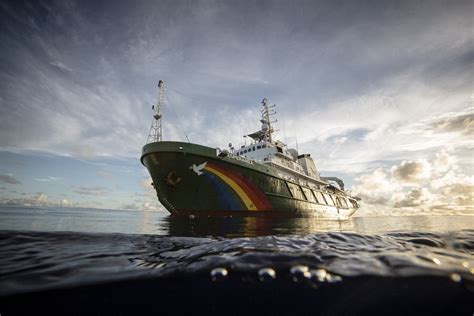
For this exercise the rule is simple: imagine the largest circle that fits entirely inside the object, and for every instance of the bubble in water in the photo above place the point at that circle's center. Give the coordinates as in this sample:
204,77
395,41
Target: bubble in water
321,275
266,274
436,261
331,278
218,274
300,273
318,275
455,277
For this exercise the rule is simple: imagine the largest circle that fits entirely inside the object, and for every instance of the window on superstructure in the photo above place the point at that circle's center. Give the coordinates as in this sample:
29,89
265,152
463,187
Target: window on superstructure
320,197
296,191
328,199
315,197
253,148
344,202
354,203
258,147
264,146
279,150
308,194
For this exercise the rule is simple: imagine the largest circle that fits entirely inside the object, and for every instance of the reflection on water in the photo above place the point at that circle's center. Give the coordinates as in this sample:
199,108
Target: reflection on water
265,226
160,223
250,226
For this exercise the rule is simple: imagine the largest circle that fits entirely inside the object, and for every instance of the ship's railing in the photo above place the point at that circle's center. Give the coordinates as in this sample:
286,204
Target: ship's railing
225,153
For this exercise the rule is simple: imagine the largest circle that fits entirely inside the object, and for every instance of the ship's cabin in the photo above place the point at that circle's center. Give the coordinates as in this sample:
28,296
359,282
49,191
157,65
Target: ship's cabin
263,151
278,154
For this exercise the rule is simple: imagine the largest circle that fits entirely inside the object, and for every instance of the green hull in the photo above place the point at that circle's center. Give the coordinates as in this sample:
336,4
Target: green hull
194,179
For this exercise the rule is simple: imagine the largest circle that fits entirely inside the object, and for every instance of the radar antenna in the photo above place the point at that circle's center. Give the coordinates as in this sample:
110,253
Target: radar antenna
156,130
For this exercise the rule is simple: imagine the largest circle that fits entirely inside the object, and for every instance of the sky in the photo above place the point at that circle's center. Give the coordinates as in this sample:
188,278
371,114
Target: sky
380,93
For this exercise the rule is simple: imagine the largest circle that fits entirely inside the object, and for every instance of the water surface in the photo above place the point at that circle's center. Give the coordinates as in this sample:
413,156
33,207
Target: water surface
102,261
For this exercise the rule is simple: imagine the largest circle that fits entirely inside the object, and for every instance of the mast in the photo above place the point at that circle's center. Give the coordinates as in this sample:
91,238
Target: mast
156,130
267,128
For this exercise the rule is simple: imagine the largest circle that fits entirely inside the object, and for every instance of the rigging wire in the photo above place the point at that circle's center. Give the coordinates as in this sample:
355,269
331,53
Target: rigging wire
176,116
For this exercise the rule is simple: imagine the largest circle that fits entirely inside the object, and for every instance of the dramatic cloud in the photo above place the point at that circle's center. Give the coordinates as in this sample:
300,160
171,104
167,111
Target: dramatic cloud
462,122
417,187
411,172
414,197
81,79
372,90
8,178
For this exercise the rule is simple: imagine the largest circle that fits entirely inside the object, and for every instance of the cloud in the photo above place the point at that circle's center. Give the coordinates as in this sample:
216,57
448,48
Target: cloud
352,82
443,162
148,198
414,198
39,199
417,187
462,122
104,174
130,206
411,172
8,178
375,188
339,66
60,66
48,179
96,191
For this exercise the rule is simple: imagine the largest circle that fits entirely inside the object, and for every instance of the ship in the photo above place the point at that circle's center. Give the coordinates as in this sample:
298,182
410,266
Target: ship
264,177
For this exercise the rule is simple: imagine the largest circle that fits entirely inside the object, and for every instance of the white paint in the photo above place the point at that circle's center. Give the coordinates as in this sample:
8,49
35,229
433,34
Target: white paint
198,168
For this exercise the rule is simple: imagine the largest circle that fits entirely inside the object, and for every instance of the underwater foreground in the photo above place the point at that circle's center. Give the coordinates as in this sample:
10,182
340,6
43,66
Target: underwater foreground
159,264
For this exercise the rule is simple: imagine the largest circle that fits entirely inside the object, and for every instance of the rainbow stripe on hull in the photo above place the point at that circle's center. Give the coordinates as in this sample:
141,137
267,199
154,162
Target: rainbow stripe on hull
236,192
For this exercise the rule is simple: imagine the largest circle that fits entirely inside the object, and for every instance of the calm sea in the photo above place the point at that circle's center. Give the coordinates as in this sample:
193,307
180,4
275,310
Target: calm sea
91,261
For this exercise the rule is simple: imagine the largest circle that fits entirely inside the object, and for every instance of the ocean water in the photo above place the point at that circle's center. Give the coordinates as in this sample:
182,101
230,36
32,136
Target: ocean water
89,261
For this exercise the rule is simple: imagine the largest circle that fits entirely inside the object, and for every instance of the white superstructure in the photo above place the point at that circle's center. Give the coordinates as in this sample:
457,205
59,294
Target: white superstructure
265,150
